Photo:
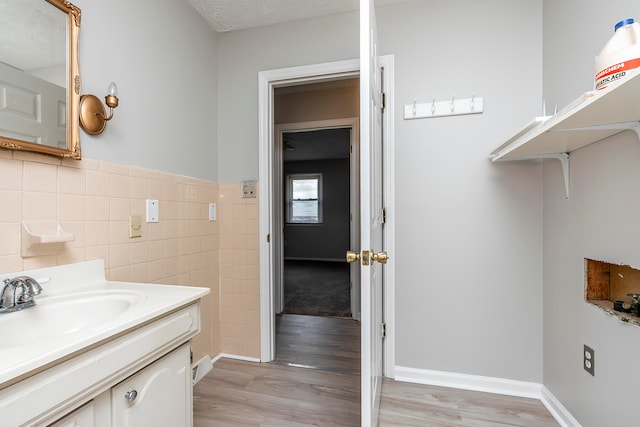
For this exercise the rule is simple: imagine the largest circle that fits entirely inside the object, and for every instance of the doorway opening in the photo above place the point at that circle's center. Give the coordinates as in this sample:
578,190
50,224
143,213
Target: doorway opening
268,83
316,231
316,217
315,203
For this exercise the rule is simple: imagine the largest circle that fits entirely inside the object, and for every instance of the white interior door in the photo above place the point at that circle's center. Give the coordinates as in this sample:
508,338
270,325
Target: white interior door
32,109
371,215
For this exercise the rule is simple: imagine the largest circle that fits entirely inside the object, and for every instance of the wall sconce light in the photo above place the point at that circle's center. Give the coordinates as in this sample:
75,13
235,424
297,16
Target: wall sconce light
93,117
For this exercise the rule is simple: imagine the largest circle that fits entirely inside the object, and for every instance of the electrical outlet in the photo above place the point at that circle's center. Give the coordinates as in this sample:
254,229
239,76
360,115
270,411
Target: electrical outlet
589,360
249,189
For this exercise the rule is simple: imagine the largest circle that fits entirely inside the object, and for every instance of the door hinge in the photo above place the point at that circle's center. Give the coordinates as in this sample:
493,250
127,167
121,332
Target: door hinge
351,149
268,238
384,215
384,101
384,330
350,216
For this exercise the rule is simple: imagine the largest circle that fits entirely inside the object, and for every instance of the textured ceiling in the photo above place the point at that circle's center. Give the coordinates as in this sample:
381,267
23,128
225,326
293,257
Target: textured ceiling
229,15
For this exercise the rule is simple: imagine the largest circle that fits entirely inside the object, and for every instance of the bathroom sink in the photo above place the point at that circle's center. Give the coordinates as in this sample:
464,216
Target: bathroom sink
79,310
57,316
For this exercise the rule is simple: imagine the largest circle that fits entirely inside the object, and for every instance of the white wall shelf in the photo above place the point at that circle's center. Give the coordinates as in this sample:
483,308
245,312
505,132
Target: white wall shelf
592,117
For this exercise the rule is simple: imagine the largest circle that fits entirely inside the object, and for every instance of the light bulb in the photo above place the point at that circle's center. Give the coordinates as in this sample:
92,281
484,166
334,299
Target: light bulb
112,98
113,89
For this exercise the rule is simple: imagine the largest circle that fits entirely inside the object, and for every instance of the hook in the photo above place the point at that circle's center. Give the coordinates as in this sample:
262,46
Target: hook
414,107
453,106
473,98
433,106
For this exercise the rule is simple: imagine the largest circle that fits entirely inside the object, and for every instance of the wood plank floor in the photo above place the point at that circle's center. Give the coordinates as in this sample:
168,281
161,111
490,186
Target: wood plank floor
238,393
406,404
326,343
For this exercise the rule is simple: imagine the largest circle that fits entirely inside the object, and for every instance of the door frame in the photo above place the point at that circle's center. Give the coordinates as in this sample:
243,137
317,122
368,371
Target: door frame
267,82
352,123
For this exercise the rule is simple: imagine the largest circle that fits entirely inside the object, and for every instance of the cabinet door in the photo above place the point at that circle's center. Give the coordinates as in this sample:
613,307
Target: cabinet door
95,413
81,417
158,395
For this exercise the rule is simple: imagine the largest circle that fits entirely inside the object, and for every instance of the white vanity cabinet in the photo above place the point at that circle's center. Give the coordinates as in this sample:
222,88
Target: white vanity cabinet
77,359
82,417
89,389
159,395
93,414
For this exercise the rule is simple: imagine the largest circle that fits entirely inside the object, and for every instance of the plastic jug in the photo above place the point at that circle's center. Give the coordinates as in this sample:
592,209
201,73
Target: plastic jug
619,59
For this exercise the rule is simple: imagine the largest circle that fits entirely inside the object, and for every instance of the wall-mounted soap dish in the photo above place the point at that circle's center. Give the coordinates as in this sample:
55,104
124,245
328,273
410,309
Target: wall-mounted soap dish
43,238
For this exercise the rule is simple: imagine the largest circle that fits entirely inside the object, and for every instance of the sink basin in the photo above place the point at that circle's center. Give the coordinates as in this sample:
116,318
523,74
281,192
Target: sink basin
79,311
55,316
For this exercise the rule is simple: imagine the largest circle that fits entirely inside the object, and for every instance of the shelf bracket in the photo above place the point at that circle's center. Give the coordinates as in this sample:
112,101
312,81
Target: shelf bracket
564,161
634,126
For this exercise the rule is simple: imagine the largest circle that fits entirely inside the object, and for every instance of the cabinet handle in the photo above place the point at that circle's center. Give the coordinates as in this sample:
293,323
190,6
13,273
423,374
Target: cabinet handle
130,396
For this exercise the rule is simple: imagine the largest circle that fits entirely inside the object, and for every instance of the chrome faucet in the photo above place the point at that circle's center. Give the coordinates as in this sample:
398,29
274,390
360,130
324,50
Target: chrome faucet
18,293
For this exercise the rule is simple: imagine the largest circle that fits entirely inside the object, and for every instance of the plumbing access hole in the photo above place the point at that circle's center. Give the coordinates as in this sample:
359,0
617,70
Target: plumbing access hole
614,288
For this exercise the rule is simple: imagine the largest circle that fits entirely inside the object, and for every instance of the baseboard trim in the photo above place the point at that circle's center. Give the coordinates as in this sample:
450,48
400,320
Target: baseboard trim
236,357
489,385
557,409
469,382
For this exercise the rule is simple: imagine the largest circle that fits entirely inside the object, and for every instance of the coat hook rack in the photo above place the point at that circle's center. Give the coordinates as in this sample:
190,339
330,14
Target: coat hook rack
451,107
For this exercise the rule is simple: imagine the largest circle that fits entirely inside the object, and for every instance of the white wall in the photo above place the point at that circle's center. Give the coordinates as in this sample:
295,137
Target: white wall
469,261
162,56
598,221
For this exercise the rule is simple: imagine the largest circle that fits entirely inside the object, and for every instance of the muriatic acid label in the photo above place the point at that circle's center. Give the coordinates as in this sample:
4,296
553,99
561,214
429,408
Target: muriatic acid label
620,57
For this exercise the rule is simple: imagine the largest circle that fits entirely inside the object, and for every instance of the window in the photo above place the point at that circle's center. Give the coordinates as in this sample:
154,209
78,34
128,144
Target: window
304,198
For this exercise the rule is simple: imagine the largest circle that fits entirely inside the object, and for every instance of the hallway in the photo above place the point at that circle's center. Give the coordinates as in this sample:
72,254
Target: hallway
314,380
325,343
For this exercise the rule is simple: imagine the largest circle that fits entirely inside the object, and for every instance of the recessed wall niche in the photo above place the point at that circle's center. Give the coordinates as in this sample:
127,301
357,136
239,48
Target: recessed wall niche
611,286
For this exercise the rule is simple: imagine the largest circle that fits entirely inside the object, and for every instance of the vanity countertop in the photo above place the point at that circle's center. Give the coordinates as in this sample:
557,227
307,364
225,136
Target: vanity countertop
78,309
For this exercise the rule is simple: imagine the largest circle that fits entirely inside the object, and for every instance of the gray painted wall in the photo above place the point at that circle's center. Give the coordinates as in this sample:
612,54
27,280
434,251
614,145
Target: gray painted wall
162,56
468,261
598,221
469,232
242,54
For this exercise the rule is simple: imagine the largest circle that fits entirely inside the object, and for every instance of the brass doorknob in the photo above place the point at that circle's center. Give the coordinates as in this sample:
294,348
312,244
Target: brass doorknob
381,257
352,256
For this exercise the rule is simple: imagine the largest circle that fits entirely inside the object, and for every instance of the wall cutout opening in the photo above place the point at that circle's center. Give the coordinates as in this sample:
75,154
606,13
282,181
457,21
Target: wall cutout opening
614,288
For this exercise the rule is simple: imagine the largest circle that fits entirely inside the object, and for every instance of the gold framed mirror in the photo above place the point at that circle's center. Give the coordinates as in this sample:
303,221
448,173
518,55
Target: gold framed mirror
39,77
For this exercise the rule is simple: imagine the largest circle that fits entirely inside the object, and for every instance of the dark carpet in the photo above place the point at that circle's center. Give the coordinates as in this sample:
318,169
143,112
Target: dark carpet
317,288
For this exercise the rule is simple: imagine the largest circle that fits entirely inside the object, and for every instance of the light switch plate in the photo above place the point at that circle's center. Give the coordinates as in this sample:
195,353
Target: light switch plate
135,226
212,211
152,210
